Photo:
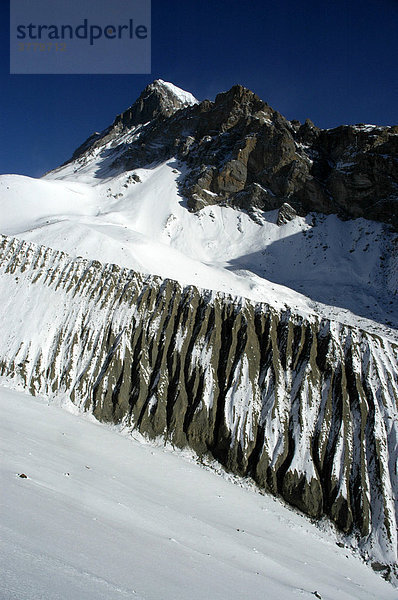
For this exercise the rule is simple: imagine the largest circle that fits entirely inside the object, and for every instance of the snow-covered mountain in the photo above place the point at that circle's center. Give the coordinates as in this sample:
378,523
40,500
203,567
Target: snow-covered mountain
177,276
96,207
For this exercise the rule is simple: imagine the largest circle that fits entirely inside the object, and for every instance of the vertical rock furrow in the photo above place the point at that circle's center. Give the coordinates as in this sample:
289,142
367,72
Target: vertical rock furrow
307,407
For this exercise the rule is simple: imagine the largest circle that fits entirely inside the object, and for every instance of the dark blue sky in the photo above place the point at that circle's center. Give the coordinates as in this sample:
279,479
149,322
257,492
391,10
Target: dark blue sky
334,62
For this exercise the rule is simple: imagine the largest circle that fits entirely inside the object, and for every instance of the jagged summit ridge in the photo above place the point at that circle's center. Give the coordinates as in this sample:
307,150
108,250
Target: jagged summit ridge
240,151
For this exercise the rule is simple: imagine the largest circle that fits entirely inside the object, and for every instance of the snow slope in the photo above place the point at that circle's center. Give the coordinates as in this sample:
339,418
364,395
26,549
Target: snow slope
247,384
344,270
105,517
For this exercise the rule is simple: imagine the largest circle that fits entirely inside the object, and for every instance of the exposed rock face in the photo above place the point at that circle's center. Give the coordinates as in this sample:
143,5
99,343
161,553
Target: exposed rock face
285,214
239,150
157,101
307,407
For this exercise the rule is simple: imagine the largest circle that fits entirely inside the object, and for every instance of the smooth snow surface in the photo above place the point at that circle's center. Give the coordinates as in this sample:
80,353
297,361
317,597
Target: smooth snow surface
346,271
106,517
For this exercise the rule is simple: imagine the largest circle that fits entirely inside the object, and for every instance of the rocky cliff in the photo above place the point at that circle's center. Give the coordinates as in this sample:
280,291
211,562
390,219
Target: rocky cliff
240,151
305,406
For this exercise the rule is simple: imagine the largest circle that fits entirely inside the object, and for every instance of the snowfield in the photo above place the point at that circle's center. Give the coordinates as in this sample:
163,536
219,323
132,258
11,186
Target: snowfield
102,516
344,270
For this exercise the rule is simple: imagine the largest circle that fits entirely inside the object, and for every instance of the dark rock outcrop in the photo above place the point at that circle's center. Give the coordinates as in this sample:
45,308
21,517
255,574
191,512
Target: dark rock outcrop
238,150
157,100
285,214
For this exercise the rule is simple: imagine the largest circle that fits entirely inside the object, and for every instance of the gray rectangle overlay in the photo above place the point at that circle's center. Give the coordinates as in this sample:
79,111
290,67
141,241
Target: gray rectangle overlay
80,36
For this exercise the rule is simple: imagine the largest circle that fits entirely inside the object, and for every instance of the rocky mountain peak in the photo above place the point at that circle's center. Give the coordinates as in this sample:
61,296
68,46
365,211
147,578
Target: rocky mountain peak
240,96
159,99
238,150
237,104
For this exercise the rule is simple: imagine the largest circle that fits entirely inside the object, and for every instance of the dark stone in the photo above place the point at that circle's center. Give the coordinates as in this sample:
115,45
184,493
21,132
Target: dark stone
239,150
285,214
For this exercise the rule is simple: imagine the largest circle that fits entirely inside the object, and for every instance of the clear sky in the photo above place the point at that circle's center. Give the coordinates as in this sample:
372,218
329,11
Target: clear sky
332,61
